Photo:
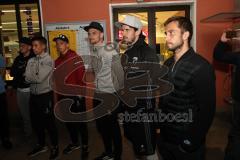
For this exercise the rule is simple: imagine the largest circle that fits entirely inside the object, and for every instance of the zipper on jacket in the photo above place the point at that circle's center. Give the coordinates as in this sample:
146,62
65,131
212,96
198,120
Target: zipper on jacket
37,72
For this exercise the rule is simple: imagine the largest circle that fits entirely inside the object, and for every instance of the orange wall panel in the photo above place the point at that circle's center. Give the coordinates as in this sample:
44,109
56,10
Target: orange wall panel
208,34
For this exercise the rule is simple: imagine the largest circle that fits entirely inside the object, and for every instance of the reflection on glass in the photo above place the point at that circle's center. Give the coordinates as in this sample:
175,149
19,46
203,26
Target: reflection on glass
29,19
161,17
7,75
9,33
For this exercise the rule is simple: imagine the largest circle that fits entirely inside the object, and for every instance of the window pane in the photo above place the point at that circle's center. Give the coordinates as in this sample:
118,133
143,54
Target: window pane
9,33
161,17
29,19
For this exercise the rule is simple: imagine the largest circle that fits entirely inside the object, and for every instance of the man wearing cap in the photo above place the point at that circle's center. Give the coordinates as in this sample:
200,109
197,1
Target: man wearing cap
144,144
108,79
75,78
37,74
19,83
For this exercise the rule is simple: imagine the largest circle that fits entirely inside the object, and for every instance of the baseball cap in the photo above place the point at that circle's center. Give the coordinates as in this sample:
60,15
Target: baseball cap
131,21
61,37
94,25
25,40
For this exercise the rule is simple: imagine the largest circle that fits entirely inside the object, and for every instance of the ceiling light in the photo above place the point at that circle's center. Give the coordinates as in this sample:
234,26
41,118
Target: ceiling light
14,29
6,23
22,10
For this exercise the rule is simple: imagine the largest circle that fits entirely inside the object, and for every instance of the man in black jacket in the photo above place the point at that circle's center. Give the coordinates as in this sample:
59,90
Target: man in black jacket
141,134
19,83
223,53
189,109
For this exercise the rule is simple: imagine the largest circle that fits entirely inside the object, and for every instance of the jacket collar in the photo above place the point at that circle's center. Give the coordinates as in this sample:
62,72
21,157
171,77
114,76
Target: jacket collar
66,54
138,43
95,48
42,55
27,57
187,54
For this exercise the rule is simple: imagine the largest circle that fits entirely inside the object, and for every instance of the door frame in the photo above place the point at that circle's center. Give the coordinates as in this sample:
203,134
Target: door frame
191,3
16,4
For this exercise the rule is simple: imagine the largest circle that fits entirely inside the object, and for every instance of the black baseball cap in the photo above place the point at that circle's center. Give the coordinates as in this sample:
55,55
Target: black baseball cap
94,25
26,40
61,37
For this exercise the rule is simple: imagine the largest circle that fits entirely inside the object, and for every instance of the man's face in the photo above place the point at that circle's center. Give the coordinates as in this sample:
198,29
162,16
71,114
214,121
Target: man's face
174,36
38,47
95,36
62,46
129,34
24,48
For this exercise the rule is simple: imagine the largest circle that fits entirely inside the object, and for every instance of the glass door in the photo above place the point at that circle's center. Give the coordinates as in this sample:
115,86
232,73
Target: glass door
153,19
20,19
29,19
9,33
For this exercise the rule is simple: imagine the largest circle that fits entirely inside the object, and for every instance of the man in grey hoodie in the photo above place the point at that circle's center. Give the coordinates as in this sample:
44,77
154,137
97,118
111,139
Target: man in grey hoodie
37,73
109,78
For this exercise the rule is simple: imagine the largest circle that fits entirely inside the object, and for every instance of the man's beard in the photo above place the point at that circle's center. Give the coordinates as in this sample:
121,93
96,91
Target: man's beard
128,43
176,47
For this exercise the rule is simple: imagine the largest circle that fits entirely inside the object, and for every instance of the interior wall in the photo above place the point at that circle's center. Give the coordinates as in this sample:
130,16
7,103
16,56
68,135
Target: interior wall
207,34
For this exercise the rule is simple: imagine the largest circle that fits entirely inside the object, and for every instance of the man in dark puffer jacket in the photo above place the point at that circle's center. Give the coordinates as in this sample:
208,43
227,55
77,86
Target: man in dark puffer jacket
183,138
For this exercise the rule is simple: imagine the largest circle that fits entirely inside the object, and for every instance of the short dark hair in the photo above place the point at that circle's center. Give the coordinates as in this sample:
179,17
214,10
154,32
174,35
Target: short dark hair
41,39
184,24
25,40
135,29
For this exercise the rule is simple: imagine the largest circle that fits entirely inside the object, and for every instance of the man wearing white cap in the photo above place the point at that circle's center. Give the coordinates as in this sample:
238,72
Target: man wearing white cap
144,142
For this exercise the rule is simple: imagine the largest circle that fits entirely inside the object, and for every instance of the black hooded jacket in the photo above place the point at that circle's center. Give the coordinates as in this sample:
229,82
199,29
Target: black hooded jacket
142,51
18,70
141,134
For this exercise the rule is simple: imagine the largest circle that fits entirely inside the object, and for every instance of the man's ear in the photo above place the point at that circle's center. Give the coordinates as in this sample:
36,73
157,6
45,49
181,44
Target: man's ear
68,45
138,32
101,35
186,35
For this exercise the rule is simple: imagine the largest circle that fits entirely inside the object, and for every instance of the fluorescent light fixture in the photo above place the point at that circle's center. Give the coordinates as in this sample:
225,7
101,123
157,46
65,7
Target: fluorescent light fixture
144,22
6,23
22,10
8,11
14,29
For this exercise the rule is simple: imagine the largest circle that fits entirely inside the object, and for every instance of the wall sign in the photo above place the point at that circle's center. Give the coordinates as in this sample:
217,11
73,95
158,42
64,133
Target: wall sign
29,21
78,37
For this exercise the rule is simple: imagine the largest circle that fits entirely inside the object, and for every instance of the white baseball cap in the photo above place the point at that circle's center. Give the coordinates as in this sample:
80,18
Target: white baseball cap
131,21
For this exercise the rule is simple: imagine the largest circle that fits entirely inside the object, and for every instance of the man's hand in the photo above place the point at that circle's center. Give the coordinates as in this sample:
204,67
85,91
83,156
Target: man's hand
224,36
2,73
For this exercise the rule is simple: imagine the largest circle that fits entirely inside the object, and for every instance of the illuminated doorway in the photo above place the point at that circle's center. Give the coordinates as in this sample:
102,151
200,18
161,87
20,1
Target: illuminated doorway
152,19
17,19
